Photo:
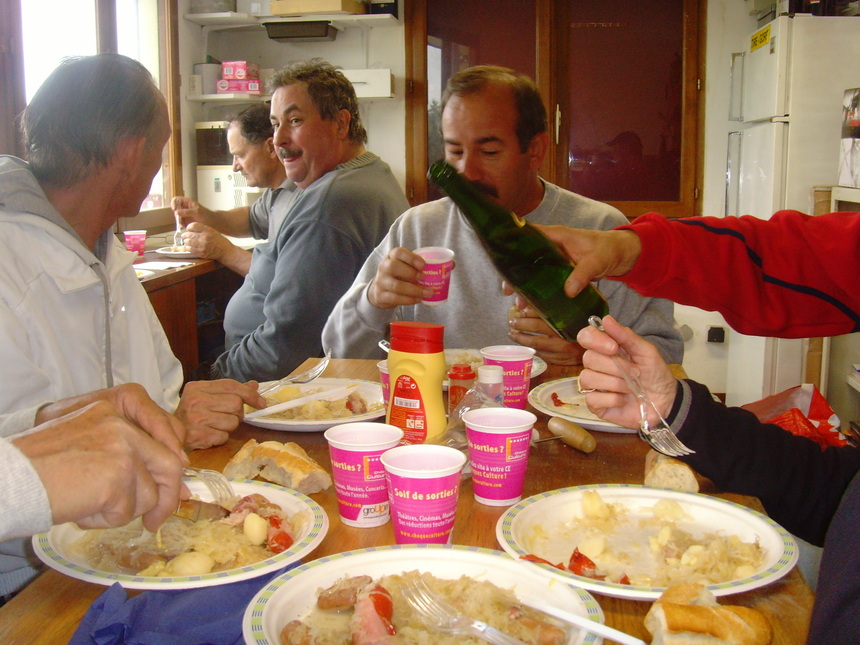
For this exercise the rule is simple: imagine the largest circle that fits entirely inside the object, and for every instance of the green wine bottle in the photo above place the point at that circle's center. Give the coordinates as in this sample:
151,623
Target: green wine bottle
527,259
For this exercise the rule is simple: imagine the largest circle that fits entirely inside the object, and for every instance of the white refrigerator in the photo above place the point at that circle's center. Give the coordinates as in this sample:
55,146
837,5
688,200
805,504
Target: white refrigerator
786,109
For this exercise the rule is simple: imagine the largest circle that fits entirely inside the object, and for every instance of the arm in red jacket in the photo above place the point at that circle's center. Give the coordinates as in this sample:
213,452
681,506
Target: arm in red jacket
791,276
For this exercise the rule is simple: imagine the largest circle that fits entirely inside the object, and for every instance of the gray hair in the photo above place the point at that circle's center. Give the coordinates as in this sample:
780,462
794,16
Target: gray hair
531,119
328,88
84,109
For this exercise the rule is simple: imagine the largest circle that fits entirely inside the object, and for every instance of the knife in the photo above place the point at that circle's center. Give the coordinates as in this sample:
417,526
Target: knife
286,405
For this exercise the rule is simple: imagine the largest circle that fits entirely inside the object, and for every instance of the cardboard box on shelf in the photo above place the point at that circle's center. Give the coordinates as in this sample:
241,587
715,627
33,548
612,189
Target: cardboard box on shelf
304,7
246,86
237,70
371,83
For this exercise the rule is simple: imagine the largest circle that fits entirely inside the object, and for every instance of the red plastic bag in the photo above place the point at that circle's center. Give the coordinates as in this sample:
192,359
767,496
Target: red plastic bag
803,411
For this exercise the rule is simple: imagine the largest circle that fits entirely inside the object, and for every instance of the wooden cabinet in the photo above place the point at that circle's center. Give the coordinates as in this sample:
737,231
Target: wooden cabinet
178,294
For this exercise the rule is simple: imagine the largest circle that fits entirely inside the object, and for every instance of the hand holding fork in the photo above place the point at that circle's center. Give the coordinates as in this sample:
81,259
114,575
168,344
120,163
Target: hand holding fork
658,435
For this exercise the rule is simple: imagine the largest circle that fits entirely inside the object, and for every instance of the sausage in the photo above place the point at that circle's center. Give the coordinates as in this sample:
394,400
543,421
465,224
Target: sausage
572,434
343,593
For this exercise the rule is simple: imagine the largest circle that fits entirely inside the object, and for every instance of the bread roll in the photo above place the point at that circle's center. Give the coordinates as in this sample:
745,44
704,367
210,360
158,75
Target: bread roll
286,464
665,472
689,615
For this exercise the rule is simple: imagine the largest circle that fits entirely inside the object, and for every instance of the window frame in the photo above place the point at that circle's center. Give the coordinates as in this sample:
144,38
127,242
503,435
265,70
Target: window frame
555,165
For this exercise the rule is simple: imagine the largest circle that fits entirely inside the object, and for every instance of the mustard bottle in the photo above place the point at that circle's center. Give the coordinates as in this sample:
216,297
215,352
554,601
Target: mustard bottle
416,368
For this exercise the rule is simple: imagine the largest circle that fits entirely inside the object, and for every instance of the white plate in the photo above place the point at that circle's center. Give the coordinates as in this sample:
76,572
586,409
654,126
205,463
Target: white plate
168,250
143,273
474,358
52,547
372,393
541,399
710,513
292,595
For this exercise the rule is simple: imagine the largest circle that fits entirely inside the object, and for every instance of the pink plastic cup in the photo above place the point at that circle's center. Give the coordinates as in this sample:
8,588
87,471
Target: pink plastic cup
516,363
437,272
385,380
423,486
359,479
498,452
135,241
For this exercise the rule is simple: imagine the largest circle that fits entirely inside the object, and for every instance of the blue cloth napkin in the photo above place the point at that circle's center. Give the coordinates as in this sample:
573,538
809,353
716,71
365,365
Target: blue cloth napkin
206,616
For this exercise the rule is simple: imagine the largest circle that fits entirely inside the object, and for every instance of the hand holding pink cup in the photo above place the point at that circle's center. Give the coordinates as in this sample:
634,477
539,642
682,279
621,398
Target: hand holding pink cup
437,272
423,488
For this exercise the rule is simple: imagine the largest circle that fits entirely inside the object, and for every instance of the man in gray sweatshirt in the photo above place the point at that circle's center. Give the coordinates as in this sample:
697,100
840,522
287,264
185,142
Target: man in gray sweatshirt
495,133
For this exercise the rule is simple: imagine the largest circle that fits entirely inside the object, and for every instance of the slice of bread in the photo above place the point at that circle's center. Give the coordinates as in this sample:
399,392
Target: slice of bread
690,615
665,472
286,464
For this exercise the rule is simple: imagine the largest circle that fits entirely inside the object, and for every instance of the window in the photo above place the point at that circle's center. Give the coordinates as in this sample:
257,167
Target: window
619,80
51,30
70,31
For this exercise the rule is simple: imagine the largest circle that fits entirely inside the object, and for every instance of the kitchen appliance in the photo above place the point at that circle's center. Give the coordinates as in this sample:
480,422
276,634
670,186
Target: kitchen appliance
786,100
218,187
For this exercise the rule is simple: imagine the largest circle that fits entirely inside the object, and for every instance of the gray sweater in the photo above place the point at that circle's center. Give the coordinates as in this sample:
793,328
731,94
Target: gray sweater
328,229
476,313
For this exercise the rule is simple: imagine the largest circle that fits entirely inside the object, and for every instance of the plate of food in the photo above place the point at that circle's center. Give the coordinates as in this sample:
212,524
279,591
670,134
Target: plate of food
162,560
175,252
632,541
561,398
473,357
484,583
363,403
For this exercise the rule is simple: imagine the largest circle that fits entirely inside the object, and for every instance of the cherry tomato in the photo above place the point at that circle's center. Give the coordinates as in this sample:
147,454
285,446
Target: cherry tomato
534,558
583,566
384,607
279,541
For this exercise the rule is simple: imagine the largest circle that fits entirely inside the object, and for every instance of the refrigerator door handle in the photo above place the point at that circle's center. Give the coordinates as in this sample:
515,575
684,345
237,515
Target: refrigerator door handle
733,172
736,87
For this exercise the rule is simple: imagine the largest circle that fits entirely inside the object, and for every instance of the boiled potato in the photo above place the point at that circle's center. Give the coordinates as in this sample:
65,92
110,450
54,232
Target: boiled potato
256,529
190,564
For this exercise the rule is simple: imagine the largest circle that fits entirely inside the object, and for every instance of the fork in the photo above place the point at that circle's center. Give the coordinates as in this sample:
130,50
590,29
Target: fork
659,436
220,487
304,377
443,617
177,236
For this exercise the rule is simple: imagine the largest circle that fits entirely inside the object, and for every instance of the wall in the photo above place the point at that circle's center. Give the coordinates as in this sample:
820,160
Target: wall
354,48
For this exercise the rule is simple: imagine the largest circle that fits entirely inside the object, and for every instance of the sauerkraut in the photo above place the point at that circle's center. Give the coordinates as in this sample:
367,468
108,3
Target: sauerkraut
181,547
656,546
481,600
348,406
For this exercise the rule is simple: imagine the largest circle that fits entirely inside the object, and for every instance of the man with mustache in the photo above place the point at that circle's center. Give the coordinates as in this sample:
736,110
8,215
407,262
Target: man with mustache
494,128
344,201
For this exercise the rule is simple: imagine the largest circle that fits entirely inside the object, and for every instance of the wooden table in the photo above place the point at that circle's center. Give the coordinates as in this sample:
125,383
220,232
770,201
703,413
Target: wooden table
175,294
48,610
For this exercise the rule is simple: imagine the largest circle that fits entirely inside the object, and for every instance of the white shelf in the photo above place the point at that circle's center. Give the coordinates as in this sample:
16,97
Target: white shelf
228,98
844,194
853,379
340,21
222,19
